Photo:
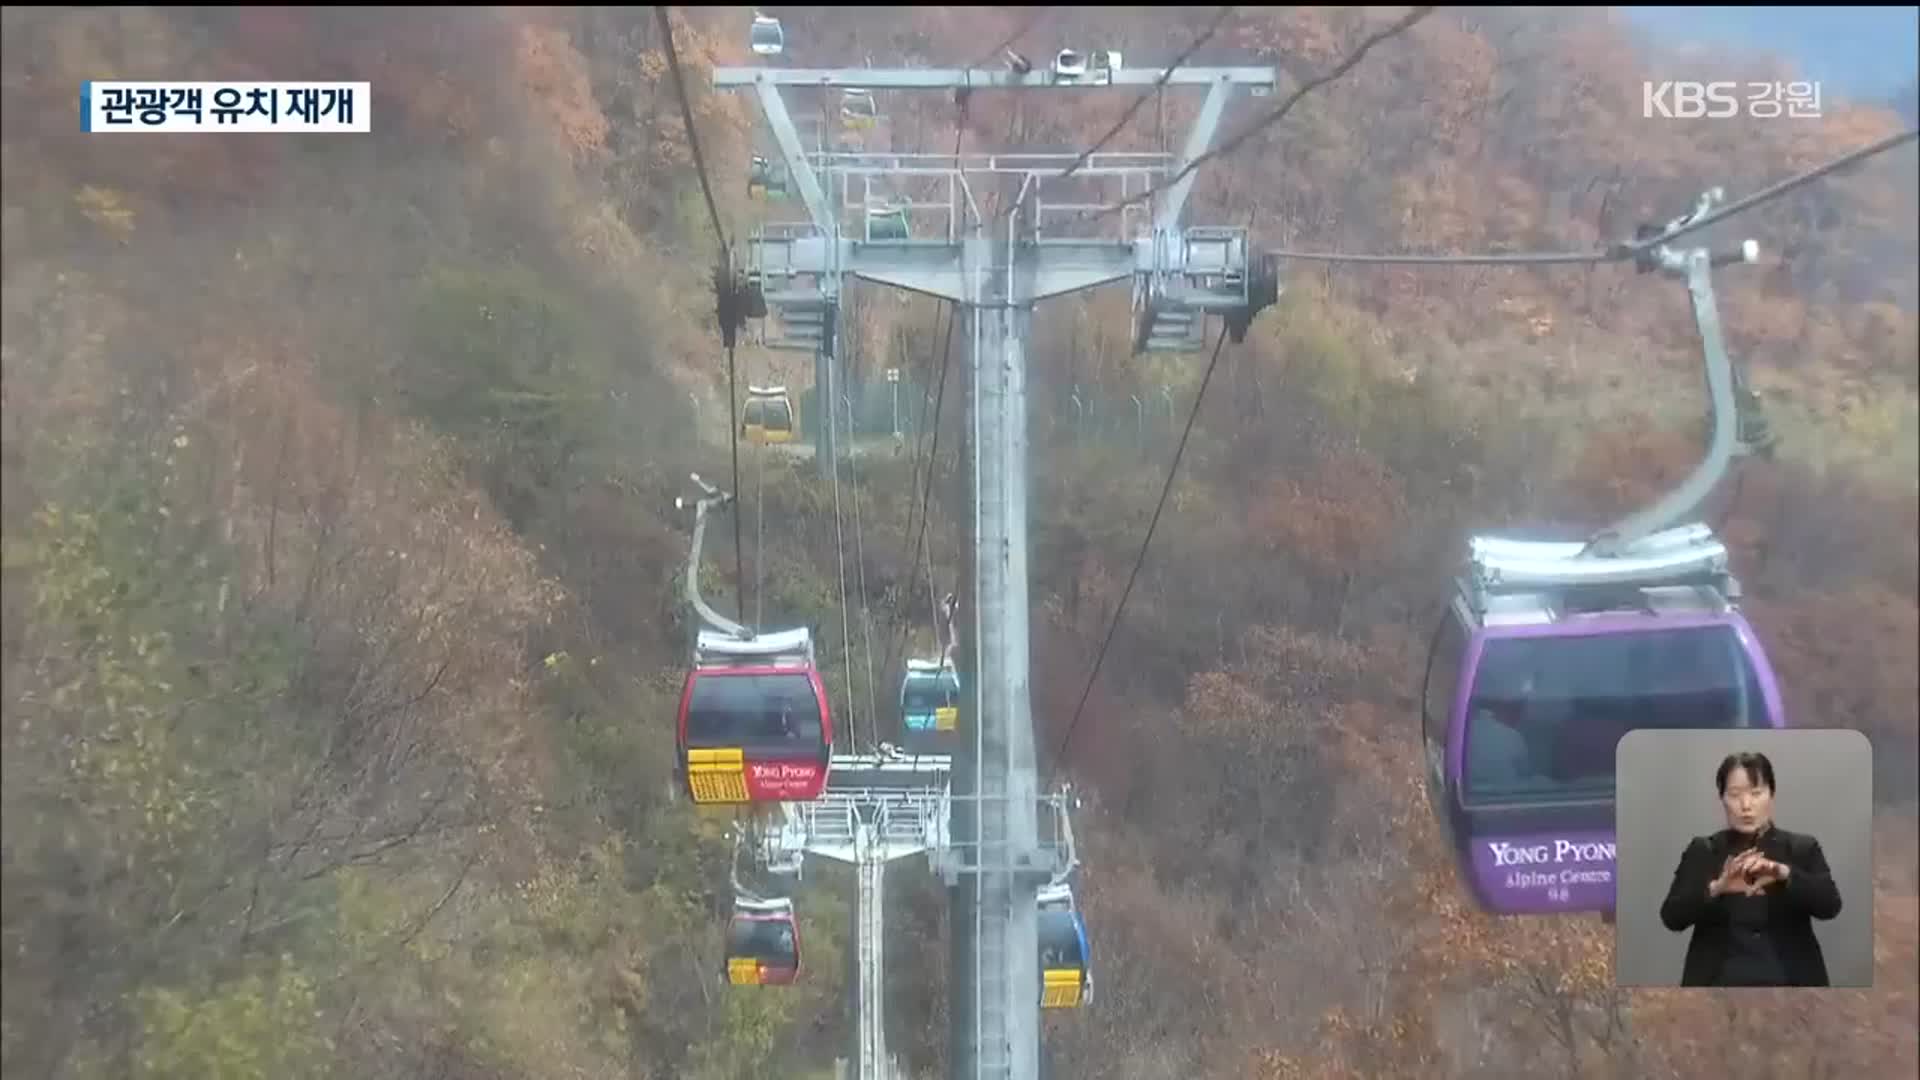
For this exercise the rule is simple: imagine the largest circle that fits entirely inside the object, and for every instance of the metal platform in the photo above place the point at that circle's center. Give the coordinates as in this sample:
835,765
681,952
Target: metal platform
1181,276
1050,860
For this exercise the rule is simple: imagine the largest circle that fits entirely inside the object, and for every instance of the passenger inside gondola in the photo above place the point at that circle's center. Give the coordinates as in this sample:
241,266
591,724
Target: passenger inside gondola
777,722
1547,713
1059,940
762,951
753,710
923,698
767,940
1065,981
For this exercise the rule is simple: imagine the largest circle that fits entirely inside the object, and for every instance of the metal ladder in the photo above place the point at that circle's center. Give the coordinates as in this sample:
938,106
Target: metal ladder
993,490
990,981
829,822
800,320
1165,329
799,305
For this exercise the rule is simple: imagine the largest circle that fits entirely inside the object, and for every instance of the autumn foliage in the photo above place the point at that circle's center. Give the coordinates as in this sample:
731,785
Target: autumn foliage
342,620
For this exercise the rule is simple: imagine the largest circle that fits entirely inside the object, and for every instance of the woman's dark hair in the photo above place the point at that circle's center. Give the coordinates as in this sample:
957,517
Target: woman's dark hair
1757,766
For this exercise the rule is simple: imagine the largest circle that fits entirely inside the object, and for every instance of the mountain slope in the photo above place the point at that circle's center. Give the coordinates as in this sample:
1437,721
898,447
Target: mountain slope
342,618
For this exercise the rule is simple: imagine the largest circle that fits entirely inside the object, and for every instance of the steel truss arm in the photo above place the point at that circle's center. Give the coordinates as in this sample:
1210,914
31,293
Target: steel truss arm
788,139
1047,269
1175,198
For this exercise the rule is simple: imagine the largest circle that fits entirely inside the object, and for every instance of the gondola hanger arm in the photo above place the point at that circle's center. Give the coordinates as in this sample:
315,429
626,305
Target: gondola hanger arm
709,616
1696,266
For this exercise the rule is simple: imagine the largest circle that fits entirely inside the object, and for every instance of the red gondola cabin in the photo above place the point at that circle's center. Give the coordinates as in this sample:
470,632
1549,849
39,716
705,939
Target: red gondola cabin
754,723
763,943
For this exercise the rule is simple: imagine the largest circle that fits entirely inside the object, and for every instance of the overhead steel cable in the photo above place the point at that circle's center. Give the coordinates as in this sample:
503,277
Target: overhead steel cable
1173,471
1768,194
759,536
917,498
1398,27
916,495
1617,252
933,450
693,136
860,579
1547,258
946,350
1205,36
831,410
923,498
1219,344
728,302
933,605
920,440
921,433
1624,250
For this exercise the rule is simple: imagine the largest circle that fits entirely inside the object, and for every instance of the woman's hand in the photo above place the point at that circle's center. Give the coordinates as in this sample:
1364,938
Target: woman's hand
1734,874
1764,872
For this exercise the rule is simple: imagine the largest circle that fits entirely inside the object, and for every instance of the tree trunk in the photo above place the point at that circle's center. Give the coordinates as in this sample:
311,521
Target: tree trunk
1346,597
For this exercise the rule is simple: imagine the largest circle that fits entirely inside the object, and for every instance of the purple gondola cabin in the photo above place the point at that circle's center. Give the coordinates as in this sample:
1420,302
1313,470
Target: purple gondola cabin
1545,659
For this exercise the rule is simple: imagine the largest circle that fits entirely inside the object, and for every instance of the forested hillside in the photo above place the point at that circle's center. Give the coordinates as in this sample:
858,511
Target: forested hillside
342,623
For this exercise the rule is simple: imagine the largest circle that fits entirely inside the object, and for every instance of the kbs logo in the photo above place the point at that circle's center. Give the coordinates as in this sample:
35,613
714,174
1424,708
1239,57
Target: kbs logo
1689,100
1718,100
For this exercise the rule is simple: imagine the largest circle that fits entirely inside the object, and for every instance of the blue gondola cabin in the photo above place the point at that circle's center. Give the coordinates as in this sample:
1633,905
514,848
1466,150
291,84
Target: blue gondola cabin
929,707
1066,977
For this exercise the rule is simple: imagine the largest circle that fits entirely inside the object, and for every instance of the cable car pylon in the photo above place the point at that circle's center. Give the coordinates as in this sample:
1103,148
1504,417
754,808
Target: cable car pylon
998,267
